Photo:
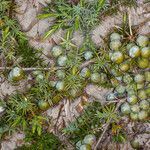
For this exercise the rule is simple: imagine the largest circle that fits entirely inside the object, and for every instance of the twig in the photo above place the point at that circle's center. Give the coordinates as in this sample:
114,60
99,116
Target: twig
86,63
31,69
59,113
99,140
107,125
130,24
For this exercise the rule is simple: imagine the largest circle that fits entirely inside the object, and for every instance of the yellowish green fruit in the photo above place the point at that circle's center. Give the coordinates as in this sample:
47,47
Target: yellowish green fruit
117,57
115,36
130,89
127,78
142,115
135,144
89,139
142,40
40,77
139,78
60,85
53,83
43,105
111,96
147,90
134,52
62,61
140,86
125,108
120,89
85,72
147,76
88,55
95,77
131,92
132,99
143,63
60,74
129,46
142,94
114,82
78,144
115,72
16,74
135,108
115,45
56,51
144,104
124,66
145,52
85,147
134,116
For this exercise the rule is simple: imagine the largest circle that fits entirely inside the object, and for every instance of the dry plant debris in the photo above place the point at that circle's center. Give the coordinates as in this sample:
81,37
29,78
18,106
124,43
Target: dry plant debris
60,79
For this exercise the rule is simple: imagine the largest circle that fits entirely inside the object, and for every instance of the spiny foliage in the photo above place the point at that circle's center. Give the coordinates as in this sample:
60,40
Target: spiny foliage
42,89
91,121
87,123
82,15
13,42
108,114
46,141
4,7
29,56
22,112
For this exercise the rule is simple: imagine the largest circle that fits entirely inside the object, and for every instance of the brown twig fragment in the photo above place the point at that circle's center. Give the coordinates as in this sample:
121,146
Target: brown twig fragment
107,125
86,63
59,113
31,69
